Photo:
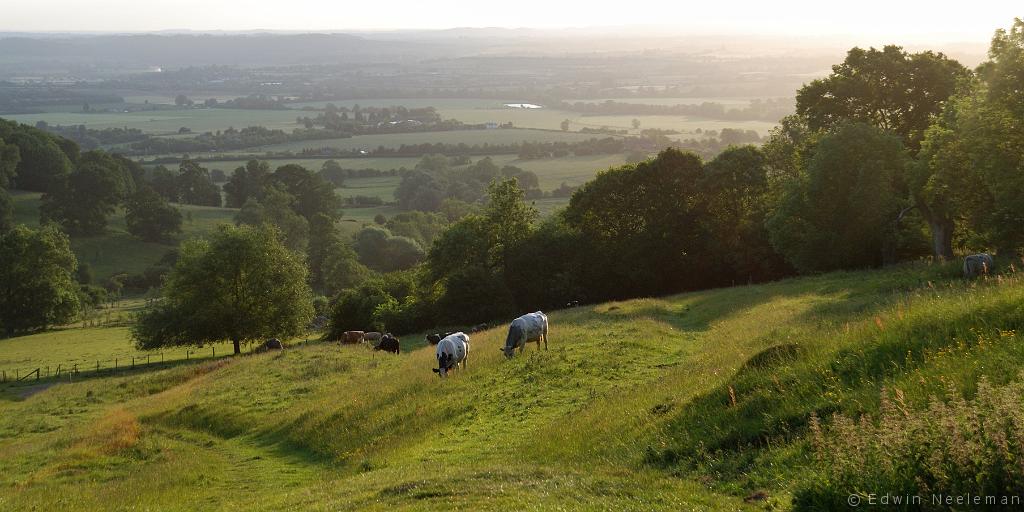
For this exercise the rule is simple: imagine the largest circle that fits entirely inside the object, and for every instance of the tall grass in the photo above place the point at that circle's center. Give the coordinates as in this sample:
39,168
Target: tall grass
954,446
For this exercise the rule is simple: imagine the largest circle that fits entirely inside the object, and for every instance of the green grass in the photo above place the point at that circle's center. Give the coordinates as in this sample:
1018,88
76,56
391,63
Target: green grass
688,402
116,250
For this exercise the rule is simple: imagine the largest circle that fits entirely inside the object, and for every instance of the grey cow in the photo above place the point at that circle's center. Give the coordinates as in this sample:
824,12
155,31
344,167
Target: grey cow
529,327
978,264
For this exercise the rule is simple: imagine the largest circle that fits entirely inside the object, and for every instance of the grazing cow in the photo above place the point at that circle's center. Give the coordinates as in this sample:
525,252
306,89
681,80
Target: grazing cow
371,337
389,343
529,327
977,264
452,351
271,344
478,328
572,304
435,338
350,337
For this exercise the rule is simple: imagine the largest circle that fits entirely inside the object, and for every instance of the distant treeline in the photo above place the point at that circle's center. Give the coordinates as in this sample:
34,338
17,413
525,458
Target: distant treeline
231,138
758,110
93,138
22,99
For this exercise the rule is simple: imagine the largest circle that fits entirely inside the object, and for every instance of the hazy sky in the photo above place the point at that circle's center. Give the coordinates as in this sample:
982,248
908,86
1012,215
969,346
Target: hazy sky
917,19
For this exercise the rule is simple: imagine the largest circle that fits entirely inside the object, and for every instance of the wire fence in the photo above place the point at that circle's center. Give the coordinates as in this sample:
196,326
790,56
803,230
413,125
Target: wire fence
69,371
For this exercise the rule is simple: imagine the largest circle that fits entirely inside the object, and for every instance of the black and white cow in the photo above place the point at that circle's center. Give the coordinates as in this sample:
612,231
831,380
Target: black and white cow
452,351
389,343
529,327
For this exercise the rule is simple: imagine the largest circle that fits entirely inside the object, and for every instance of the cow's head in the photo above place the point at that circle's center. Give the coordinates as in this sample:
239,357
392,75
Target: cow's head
515,333
508,351
443,362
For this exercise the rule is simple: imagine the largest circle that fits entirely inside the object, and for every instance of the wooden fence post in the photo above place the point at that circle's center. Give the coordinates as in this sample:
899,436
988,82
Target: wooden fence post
214,352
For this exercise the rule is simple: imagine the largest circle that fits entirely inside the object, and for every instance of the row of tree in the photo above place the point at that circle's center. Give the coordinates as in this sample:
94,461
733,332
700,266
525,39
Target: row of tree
893,156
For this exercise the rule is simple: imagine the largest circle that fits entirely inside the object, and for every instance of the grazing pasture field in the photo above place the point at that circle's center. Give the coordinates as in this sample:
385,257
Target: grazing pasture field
689,402
116,250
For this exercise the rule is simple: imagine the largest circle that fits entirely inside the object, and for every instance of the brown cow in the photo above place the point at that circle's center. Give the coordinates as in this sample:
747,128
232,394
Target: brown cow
350,337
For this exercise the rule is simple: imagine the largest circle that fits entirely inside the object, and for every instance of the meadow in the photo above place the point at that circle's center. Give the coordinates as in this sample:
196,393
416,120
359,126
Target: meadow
698,401
117,251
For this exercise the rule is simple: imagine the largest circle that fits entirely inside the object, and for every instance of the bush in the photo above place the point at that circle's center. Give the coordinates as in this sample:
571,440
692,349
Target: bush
953,447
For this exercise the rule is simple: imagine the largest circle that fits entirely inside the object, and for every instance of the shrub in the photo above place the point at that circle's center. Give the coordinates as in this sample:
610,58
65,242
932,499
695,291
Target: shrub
953,447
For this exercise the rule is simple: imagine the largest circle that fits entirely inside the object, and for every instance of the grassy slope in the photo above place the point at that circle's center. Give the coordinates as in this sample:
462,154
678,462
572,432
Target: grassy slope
117,251
630,409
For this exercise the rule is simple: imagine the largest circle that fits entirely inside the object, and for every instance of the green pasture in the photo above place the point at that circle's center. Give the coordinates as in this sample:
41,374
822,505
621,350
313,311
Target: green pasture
696,401
117,251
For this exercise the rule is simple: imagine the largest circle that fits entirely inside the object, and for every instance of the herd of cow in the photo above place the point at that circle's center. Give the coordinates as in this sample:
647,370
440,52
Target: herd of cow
453,347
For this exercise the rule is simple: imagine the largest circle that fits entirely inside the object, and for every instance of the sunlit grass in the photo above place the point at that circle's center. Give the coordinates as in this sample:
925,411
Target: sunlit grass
687,402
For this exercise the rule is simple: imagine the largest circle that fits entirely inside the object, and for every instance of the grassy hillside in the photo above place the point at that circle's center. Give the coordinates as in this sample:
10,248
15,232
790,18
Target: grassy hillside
116,250
689,402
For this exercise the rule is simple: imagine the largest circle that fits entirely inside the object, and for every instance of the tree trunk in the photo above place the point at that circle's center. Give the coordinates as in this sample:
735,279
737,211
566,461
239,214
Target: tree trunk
942,238
238,347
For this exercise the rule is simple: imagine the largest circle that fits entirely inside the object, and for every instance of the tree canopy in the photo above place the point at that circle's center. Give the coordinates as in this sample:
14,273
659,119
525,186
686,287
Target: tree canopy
37,284
242,284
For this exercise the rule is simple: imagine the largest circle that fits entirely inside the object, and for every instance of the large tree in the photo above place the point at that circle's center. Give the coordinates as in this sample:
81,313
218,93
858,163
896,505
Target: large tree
642,225
333,264
83,200
241,285
150,217
195,185
897,92
43,161
735,190
276,207
842,210
972,162
37,285
470,259
313,194
246,183
9,158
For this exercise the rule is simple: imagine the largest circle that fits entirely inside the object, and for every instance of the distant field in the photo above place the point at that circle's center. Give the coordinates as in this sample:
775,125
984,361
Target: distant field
168,121
551,119
382,187
473,111
439,103
394,140
728,101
